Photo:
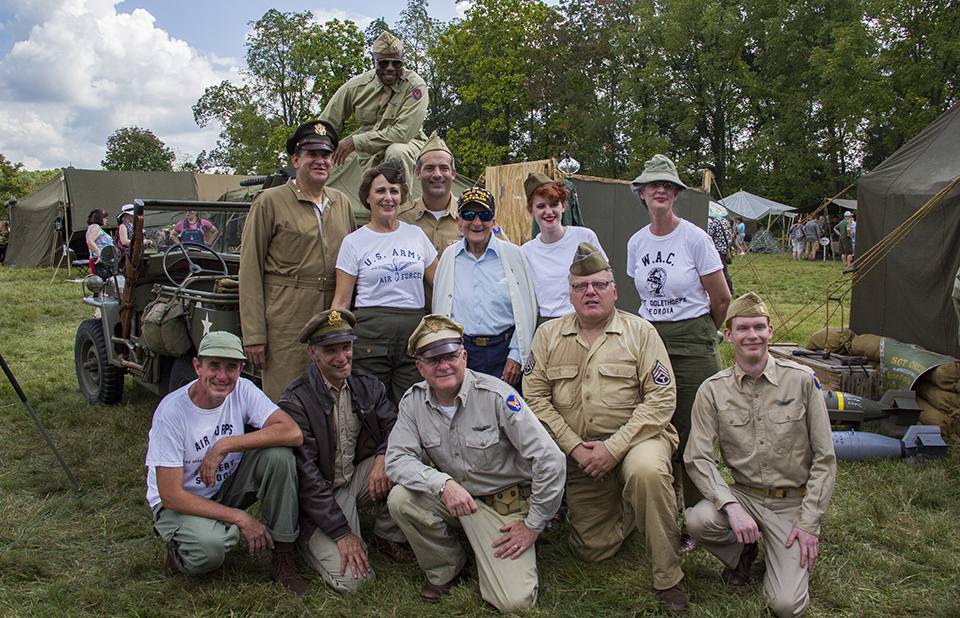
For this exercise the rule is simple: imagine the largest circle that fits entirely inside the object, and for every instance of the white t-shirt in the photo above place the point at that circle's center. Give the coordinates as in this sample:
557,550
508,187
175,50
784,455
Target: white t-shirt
388,267
183,433
667,271
550,266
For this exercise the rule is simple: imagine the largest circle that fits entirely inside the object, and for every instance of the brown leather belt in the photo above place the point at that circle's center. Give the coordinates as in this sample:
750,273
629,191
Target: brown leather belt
302,282
773,492
507,500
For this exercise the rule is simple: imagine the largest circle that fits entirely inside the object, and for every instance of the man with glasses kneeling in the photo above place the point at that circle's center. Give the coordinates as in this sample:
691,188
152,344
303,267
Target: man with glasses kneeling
497,474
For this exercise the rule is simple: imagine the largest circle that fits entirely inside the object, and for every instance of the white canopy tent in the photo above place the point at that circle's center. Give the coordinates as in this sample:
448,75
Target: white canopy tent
753,207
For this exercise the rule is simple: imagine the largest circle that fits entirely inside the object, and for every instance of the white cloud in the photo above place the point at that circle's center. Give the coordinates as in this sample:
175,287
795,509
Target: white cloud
83,70
324,15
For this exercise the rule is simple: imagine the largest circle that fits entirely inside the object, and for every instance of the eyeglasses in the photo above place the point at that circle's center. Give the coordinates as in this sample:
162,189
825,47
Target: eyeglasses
451,358
385,62
470,215
661,184
598,286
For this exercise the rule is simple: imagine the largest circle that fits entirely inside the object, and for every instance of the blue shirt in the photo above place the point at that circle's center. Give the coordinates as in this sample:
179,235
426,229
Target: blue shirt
481,297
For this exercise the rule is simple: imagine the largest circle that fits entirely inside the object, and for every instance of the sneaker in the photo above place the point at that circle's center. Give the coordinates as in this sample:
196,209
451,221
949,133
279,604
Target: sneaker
284,570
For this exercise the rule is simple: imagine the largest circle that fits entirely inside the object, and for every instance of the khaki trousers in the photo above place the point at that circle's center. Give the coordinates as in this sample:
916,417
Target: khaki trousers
785,583
322,553
509,585
287,310
639,494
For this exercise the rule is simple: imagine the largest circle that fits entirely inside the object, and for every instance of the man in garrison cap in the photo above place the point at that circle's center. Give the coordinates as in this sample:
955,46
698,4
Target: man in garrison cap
345,418
601,382
497,475
389,102
770,420
288,257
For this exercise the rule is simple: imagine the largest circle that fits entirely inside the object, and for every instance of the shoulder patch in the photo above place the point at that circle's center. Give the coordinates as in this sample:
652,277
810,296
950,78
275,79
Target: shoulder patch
661,375
496,228
417,94
529,365
513,402
816,381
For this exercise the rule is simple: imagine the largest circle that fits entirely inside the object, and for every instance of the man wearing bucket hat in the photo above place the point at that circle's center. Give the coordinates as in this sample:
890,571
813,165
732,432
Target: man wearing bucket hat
389,102
496,473
600,381
345,418
773,430
288,257
204,470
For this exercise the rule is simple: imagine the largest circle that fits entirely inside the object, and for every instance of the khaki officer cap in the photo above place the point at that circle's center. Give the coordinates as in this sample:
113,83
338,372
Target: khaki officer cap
330,326
434,143
534,182
221,344
750,305
436,335
588,261
387,43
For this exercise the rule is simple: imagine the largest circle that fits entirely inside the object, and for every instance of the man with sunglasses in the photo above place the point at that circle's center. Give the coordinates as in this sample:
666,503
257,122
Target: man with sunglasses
601,382
496,473
389,103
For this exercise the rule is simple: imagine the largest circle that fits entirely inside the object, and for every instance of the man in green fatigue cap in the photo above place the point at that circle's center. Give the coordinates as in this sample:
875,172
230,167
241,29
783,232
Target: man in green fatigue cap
600,381
389,102
770,420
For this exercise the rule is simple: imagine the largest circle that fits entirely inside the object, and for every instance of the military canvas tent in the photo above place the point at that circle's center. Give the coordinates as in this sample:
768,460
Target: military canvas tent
907,296
753,207
74,193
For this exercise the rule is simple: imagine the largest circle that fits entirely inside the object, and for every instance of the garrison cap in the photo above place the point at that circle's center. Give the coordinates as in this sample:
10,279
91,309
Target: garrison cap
659,168
534,182
437,334
313,135
330,326
393,171
434,143
750,305
387,43
588,261
476,195
221,344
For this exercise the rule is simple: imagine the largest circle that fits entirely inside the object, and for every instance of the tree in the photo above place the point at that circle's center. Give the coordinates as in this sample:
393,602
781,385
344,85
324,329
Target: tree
12,184
139,150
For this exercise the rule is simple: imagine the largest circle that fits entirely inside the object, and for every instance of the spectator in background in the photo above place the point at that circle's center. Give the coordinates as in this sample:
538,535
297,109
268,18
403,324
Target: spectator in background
845,230
740,233
194,229
797,236
125,229
97,240
811,234
720,232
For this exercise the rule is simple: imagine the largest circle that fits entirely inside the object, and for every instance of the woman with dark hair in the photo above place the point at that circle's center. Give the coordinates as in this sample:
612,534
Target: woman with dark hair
387,262
550,254
689,301
97,239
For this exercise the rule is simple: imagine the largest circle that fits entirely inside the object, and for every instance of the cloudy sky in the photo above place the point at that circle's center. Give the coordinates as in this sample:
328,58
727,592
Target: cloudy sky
74,71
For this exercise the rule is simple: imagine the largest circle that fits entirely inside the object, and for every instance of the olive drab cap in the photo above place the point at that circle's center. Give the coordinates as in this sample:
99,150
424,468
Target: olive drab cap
434,143
330,326
393,171
659,168
588,260
750,305
221,344
436,334
534,182
476,195
387,43
313,135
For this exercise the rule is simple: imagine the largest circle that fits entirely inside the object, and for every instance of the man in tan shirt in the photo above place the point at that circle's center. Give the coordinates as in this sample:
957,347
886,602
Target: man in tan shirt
774,432
435,211
600,380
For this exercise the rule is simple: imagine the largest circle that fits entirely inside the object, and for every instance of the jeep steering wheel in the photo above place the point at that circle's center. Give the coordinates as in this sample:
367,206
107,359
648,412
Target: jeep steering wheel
195,269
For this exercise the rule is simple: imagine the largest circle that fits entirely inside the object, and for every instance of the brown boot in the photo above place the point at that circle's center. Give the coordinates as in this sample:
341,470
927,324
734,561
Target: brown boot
740,575
431,593
172,568
674,600
284,570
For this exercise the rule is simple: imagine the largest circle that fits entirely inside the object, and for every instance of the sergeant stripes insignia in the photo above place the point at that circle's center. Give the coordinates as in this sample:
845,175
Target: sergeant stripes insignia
661,375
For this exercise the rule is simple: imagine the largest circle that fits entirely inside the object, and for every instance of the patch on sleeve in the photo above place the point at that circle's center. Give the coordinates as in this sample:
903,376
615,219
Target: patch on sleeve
417,94
529,365
816,380
661,375
513,402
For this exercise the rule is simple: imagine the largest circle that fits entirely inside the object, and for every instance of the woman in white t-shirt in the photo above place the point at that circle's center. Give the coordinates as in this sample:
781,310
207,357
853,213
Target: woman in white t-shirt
387,262
550,254
679,276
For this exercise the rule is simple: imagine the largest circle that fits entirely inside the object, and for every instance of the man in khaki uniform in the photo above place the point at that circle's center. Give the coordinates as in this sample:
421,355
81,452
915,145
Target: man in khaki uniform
774,432
497,474
288,257
389,103
600,380
435,211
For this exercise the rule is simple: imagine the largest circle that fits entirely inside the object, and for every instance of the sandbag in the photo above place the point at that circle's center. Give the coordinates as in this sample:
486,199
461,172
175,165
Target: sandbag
164,328
929,415
945,401
946,377
866,345
836,343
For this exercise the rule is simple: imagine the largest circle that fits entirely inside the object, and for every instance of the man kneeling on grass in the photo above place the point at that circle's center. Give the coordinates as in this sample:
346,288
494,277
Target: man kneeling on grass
774,433
204,471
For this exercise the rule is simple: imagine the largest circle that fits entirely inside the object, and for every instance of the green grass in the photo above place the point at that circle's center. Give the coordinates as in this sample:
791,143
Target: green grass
890,544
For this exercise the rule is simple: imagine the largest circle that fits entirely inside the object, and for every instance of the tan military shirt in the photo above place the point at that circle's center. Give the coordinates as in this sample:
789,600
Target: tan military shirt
774,432
442,231
492,442
348,430
386,114
620,390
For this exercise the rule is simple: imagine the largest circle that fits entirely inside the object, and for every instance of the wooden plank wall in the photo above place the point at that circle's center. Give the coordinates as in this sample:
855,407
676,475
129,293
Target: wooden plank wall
506,184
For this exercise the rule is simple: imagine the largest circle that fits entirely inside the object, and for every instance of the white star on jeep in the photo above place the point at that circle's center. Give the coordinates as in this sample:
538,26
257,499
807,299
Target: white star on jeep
206,324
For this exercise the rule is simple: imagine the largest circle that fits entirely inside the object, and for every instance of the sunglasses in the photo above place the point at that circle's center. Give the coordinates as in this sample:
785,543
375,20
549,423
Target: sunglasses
385,62
470,215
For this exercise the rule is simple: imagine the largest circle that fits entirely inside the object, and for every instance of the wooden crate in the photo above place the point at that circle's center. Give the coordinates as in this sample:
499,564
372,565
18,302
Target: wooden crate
506,184
862,381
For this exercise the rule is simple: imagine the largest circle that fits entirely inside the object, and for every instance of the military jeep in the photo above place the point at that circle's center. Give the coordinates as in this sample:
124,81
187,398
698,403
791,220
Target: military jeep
163,297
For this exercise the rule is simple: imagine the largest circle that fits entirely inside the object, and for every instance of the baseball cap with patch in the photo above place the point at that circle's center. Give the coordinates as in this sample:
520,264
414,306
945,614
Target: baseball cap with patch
313,135
435,335
479,197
